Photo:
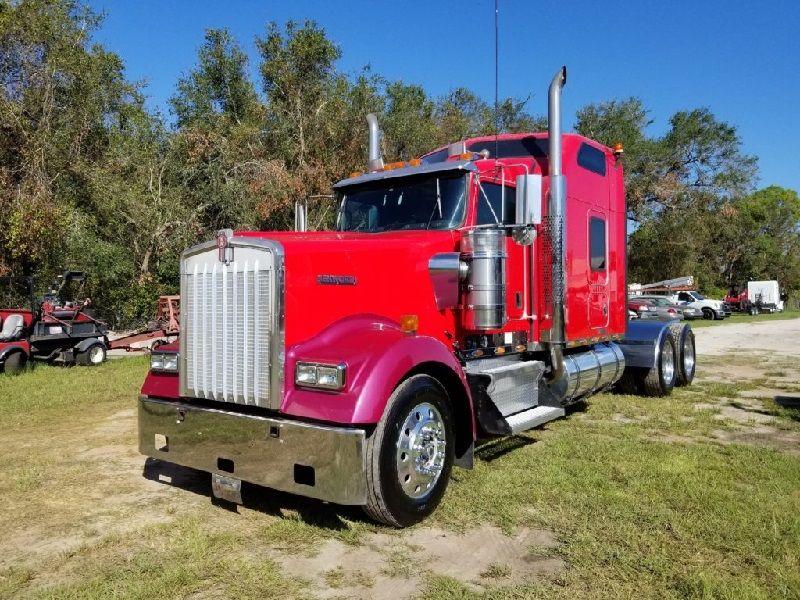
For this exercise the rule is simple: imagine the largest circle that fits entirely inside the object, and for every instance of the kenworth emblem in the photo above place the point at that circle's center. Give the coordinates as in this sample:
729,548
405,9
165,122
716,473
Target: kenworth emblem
223,247
336,279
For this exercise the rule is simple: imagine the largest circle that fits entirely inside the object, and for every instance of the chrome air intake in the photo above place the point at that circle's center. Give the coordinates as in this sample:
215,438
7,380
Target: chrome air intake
484,252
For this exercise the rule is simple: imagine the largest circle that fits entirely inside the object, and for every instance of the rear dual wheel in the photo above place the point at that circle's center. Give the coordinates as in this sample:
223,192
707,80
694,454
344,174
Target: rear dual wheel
658,380
410,453
687,357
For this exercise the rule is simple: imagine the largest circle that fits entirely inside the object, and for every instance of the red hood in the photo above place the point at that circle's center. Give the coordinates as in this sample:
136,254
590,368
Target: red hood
332,275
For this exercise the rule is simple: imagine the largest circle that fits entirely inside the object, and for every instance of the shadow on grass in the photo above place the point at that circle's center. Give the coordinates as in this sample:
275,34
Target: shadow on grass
494,448
265,500
791,404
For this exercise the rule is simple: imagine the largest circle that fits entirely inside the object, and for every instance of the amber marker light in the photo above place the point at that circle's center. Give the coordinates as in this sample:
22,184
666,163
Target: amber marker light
414,162
465,156
618,149
409,323
356,174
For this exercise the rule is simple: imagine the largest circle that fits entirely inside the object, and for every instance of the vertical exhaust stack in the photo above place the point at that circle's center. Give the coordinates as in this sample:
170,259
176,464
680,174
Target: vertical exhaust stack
375,159
557,216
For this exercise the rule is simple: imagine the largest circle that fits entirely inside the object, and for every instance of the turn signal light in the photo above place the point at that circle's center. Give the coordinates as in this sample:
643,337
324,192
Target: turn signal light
465,156
618,149
409,323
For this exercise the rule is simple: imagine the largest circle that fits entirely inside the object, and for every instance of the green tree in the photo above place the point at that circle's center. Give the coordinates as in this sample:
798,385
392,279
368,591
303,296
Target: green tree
218,87
58,93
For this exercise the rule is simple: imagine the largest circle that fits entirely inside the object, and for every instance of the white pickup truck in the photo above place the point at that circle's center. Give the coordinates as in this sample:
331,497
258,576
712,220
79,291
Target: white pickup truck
712,309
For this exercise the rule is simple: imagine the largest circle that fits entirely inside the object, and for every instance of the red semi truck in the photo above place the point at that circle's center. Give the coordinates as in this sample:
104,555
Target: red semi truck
471,293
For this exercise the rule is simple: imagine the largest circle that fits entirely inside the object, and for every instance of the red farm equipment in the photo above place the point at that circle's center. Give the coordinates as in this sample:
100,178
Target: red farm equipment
59,326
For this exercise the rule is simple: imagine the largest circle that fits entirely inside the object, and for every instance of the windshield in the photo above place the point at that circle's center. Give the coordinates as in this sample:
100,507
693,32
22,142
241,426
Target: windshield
426,202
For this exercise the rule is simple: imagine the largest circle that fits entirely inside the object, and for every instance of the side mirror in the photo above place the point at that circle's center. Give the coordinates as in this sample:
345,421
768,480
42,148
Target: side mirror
529,200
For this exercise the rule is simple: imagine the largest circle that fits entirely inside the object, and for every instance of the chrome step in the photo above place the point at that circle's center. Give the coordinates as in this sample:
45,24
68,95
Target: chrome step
533,417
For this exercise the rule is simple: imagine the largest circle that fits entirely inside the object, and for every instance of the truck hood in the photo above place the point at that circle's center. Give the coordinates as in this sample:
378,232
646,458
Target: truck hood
333,275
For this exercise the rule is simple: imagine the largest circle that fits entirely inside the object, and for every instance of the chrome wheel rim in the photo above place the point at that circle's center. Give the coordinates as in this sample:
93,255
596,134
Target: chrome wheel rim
667,363
421,450
95,355
688,356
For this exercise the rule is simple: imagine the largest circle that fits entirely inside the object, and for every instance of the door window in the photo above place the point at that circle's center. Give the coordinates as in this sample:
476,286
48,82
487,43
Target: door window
496,204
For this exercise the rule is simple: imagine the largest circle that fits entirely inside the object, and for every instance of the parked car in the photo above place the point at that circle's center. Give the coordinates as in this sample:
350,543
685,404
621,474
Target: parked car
684,310
644,309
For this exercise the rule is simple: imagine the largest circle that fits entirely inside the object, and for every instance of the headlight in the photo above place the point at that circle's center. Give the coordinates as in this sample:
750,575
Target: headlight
163,361
326,377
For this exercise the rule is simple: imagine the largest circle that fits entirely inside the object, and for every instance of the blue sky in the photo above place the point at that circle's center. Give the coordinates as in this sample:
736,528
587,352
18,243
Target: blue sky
740,59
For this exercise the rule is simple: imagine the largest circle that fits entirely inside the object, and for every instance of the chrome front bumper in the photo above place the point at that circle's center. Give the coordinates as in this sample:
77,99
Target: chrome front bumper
311,460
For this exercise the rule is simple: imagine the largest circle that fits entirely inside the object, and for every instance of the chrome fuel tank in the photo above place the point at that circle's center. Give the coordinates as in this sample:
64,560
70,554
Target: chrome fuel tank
593,370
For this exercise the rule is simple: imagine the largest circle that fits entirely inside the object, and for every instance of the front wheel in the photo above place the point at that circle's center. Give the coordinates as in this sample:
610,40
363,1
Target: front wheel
410,453
94,355
15,363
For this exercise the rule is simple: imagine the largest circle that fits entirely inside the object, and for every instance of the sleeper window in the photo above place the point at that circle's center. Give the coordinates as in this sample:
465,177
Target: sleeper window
597,244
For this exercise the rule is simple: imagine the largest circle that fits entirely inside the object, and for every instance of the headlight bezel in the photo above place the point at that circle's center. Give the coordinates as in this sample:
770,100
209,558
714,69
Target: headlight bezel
320,376
164,362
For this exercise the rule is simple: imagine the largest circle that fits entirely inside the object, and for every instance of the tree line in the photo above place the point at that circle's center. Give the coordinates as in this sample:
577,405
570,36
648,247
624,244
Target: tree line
91,179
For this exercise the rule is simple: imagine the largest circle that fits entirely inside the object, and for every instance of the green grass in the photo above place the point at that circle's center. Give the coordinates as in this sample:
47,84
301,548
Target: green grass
644,501
747,318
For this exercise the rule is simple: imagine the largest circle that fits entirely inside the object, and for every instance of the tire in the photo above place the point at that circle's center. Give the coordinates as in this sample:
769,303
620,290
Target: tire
93,355
660,379
708,314
15,363
628,383
686,355
398,493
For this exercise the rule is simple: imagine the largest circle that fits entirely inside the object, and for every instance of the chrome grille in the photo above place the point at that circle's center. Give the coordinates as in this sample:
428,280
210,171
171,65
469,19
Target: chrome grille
230,348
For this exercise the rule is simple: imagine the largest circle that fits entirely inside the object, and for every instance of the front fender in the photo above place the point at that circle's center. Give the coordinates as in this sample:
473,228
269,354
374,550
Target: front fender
83,345
7,348
378,355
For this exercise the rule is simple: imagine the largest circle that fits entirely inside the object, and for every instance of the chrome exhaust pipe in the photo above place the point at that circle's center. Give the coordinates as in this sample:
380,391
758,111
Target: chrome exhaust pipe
557,233
375,162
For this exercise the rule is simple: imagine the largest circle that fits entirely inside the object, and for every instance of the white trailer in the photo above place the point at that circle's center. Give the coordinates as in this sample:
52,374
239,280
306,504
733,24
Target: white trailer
765,295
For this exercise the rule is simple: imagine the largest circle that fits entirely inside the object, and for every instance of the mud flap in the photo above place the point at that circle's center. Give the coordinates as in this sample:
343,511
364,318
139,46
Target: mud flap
226,488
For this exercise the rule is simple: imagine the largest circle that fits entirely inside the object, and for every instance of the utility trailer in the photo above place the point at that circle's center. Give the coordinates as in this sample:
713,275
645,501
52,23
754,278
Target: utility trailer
161,330
758,297
468,294
51,328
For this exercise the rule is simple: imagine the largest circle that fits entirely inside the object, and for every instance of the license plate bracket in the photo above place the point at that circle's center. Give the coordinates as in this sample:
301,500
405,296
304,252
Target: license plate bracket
226,488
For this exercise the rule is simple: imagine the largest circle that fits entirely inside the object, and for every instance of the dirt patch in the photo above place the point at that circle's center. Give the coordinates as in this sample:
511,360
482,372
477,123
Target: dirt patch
397,566
620,418
761,338
763,435
102,491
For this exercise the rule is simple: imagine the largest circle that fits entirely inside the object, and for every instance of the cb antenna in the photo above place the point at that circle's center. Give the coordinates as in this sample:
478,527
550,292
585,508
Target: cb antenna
496,76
